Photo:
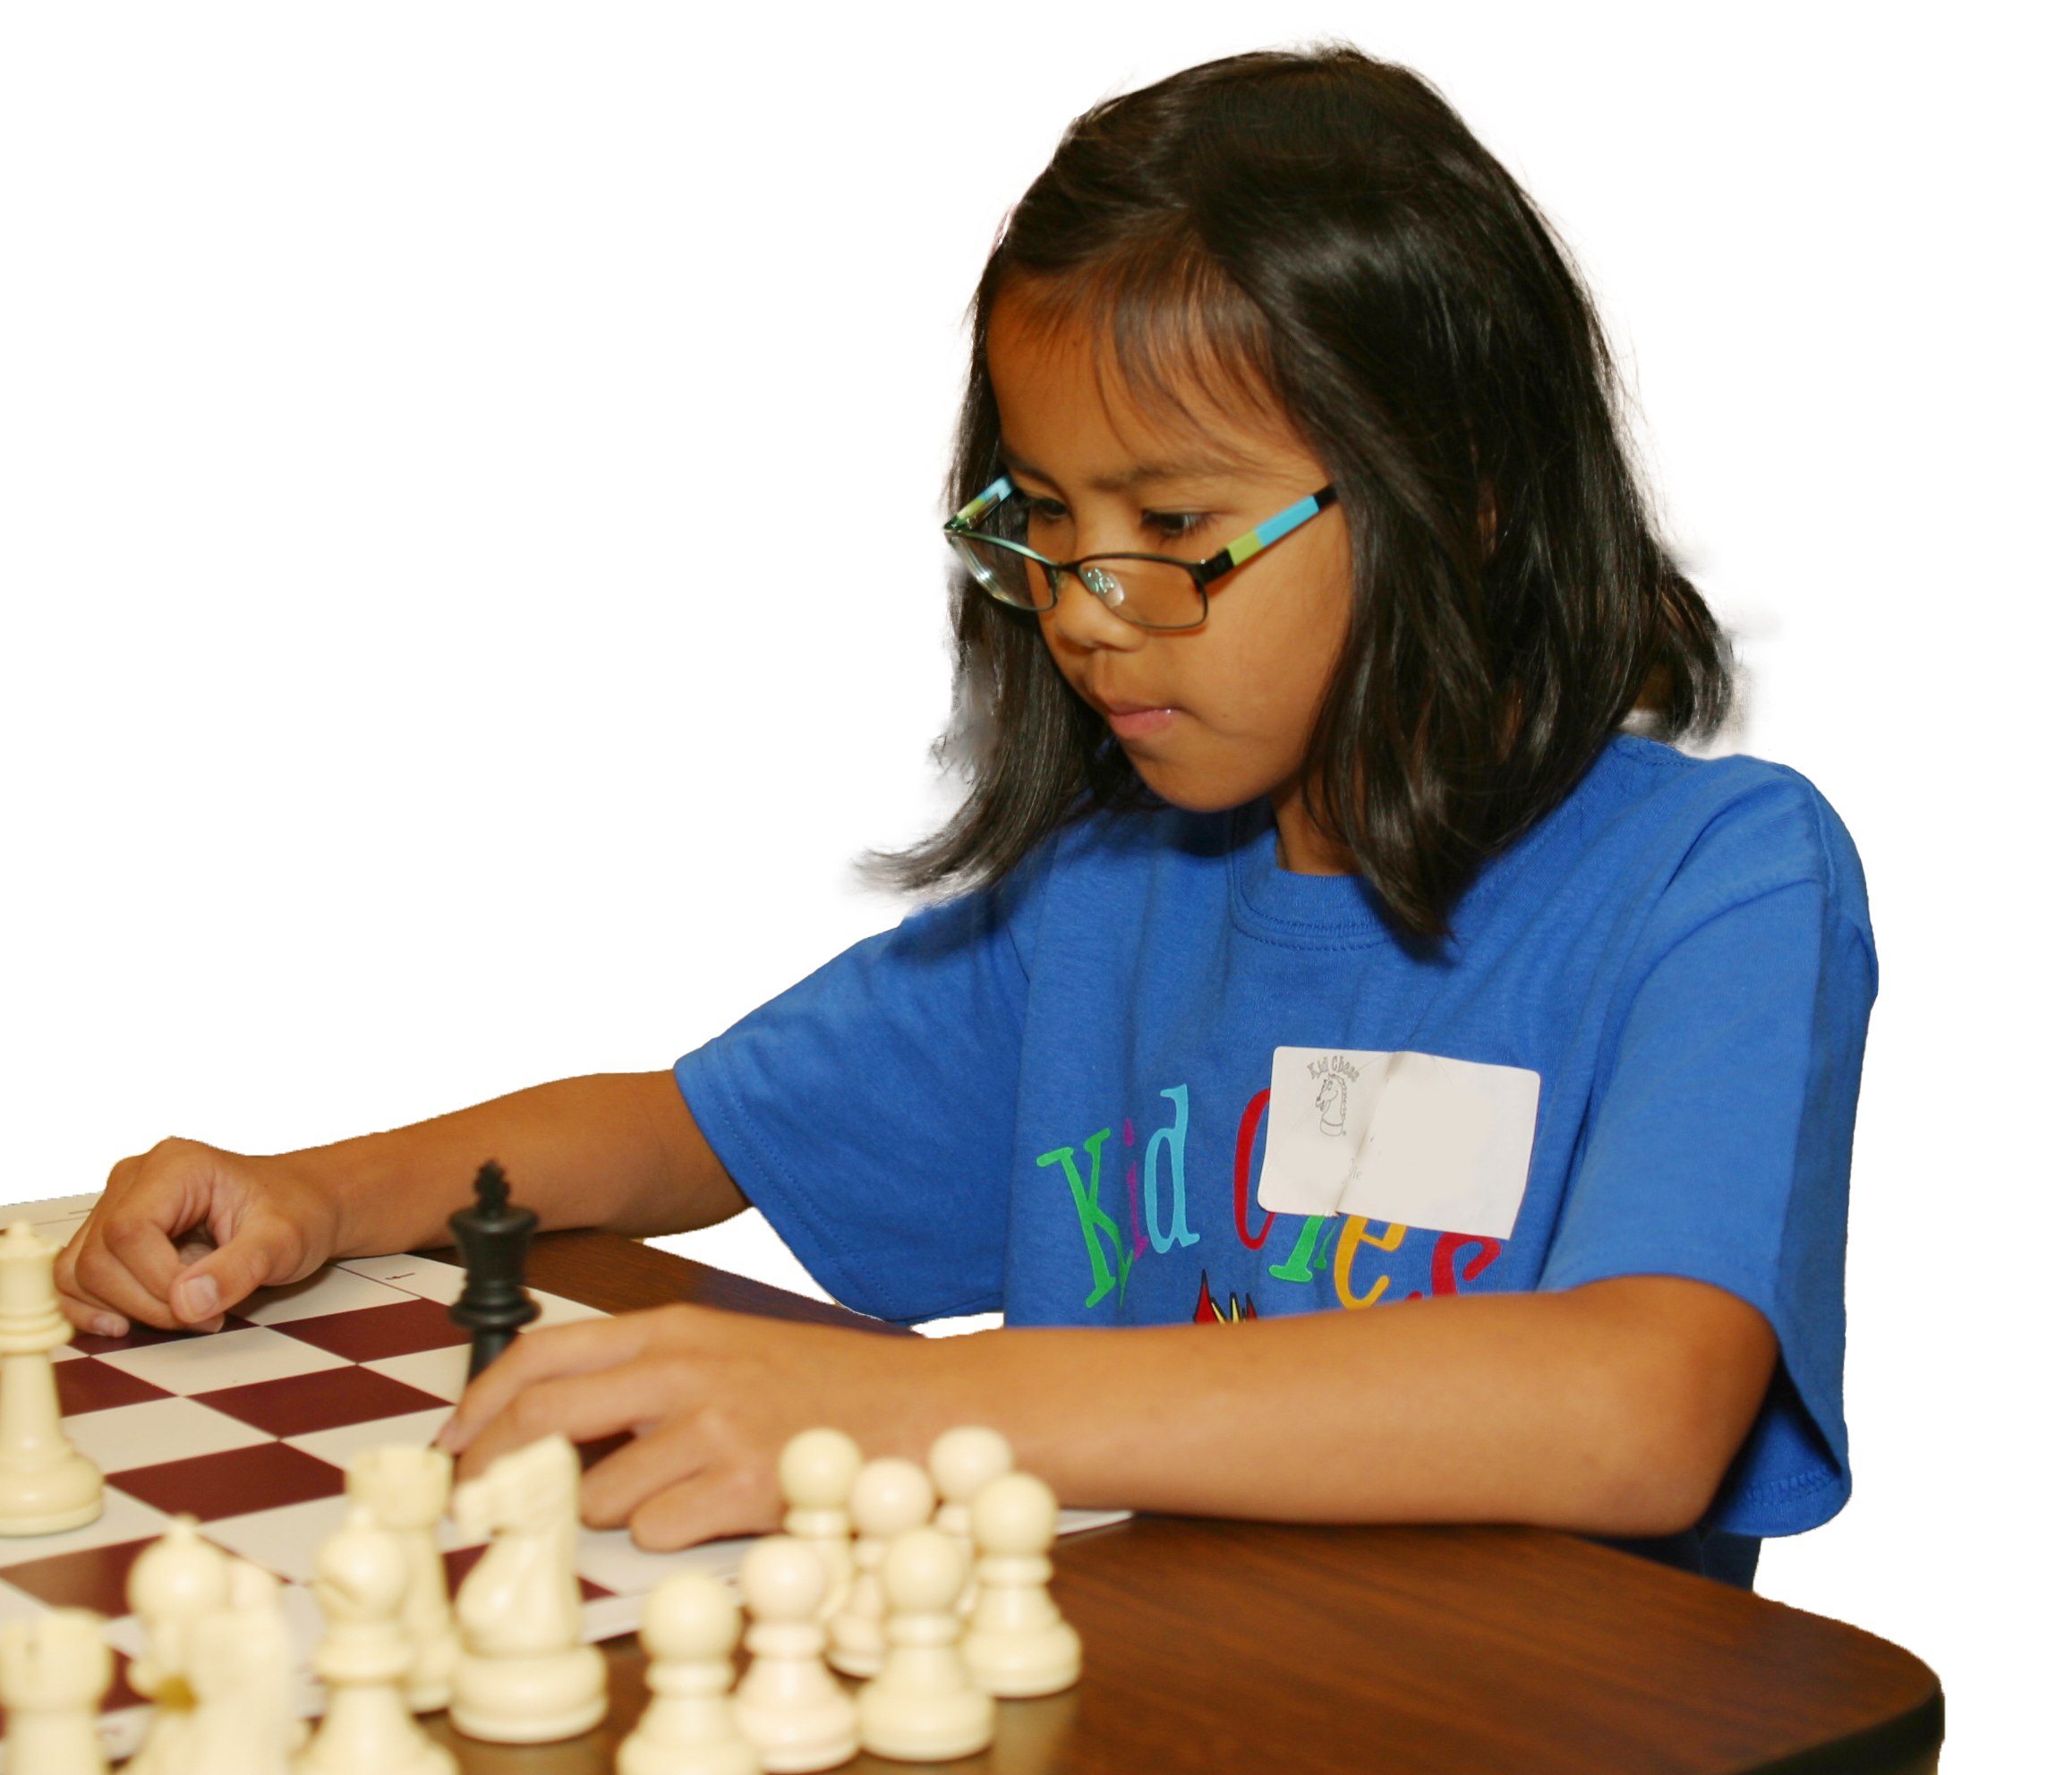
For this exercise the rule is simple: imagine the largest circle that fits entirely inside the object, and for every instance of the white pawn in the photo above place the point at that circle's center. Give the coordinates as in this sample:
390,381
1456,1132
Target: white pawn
176,1580
815,1474
889,1498
787,1706
241,1665
963,1463
406,1488
923,1707
688,1628
53,1673
1017,1643
525,1676
45,1484
362,1577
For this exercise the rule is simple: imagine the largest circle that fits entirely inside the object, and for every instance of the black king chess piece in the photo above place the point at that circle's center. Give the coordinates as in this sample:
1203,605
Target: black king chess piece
494,1236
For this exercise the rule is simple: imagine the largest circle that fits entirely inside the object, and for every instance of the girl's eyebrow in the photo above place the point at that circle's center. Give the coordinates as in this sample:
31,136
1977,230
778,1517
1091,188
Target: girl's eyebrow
1139,475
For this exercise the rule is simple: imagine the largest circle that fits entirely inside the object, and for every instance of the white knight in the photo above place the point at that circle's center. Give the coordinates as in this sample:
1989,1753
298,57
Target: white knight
525,1676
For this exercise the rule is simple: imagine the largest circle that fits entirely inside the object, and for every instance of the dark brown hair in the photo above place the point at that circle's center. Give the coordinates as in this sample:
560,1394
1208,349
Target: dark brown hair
1324,226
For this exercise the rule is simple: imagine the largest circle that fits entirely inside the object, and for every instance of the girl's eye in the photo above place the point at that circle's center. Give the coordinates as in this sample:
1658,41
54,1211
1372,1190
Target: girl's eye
1029,508
1030,514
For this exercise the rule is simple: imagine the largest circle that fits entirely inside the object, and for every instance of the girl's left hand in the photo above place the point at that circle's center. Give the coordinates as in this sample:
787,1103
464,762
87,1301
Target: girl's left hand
710,1398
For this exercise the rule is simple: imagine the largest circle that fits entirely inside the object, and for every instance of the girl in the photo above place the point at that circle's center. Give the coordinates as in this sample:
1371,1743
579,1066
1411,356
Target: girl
1323,943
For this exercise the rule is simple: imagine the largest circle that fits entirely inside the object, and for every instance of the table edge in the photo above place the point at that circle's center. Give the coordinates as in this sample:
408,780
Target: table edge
1906,1745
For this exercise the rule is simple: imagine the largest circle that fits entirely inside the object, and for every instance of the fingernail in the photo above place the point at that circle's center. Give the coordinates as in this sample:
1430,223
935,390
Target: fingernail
106,1325
197,1298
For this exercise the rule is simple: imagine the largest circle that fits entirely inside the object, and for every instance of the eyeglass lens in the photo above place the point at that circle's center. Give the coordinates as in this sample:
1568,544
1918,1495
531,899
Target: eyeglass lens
1153,595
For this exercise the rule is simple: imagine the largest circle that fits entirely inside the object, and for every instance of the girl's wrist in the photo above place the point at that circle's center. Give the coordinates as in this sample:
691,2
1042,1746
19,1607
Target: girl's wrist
357,1201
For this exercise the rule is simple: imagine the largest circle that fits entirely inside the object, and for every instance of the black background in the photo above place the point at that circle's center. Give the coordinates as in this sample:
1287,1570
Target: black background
444,671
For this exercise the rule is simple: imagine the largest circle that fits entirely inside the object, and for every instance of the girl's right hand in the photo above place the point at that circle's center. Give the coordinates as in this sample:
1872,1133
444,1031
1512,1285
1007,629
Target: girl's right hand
186,1231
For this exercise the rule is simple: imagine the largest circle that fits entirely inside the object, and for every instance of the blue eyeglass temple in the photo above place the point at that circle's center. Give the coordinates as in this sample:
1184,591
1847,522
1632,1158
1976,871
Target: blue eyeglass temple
1236,554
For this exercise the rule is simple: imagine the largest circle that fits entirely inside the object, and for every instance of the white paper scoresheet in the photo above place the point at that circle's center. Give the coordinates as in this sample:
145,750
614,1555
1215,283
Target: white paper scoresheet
1404,1137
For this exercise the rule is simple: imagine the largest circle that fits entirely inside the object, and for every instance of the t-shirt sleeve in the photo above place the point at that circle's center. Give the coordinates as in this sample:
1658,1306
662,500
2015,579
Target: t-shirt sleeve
1720,1147
868,1112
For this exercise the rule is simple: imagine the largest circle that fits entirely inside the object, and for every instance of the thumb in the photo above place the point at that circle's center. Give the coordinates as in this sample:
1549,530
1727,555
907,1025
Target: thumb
260,1253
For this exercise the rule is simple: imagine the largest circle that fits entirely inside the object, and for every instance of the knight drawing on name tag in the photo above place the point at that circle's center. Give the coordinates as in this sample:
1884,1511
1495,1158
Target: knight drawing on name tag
1415,1139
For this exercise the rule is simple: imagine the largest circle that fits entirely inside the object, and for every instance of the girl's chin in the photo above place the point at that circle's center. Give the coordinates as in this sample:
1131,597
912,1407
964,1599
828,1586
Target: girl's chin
1188,791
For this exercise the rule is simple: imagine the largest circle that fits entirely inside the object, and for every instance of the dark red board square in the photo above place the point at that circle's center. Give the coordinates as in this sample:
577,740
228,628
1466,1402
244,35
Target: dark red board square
375,1332
92,1578
120,1693
460,1562
236,1483
142,1336
94,1387
303,1403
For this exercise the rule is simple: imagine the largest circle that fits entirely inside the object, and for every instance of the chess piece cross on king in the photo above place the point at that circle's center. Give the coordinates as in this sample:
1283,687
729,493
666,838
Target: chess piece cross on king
493,1237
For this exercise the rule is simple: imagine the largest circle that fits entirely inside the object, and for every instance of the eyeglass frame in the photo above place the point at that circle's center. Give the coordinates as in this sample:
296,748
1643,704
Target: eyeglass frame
1205,574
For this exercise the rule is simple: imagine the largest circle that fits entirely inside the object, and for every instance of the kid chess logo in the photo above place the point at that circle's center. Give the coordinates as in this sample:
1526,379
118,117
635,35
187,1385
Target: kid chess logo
1338,1075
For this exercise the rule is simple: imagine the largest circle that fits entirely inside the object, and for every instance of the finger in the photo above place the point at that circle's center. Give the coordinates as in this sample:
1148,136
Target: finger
582,1407
675,1448
263,1251
105,1276
579,1349
711,1504
181,1235
583,1348
86,1311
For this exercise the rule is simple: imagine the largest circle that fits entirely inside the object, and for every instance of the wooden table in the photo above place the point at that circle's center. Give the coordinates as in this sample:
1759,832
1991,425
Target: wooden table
1244,1646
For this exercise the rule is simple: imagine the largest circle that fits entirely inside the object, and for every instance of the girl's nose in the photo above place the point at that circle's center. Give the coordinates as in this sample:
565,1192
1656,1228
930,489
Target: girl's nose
1082,619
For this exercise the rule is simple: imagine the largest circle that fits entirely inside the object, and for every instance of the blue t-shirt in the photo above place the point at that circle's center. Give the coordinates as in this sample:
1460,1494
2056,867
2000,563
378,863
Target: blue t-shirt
1050,1099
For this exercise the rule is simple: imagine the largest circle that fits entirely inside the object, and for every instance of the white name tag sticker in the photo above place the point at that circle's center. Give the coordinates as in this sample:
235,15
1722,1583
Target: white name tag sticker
1414,1138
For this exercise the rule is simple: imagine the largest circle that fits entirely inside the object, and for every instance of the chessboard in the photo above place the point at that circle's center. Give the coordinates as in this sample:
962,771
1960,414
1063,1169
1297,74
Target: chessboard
250,1428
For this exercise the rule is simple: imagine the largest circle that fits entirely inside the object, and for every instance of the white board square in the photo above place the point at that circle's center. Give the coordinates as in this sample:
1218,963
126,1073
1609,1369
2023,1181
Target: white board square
54,1219
425,1277
442,1373
155,1431
328,1291
284,1540
414,1429
556,1311
121,1518
223,1359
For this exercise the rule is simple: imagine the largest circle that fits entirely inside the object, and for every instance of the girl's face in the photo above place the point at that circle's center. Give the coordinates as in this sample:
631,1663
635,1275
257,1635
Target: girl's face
1216,716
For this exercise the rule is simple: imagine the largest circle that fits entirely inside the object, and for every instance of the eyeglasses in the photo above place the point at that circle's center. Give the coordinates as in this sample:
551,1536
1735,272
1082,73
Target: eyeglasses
1150,591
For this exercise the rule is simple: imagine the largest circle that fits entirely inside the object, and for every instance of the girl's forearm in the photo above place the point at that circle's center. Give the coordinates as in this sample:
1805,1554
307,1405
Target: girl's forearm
1613,1409
619,1150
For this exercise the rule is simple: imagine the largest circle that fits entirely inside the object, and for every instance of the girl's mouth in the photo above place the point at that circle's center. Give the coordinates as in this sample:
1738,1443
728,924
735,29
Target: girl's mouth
1140,723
